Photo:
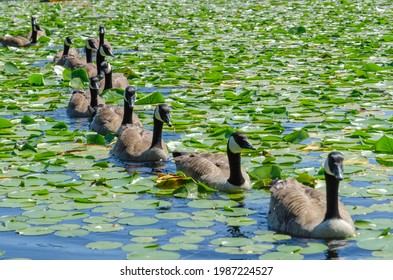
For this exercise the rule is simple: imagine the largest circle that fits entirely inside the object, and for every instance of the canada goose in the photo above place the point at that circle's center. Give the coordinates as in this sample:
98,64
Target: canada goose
62,57
109,118
103,51
83,103
219,171
85,62
302,211
101,37
19,41
39,30
135,143
116,80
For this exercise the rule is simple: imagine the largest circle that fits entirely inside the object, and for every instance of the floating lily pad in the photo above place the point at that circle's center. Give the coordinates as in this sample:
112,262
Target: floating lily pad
152,232
155,255
35,231
281,256
195,224
104,245
232,242
213,204
173,215
179,247
72,232
138,221
103,227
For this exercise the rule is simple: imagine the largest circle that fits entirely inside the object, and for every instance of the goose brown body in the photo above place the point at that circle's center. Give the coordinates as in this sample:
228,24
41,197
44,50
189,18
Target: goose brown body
302,211
83,103
137,144
219,171
109,118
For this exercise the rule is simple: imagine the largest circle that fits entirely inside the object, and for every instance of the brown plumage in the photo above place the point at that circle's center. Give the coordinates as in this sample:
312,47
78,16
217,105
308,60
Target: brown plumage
109,118
84,103
19,41
85,62
219,171
302,211
137,144
62,57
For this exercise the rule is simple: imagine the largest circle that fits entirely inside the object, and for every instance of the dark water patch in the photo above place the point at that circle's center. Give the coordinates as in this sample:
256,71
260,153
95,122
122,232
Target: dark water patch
42,63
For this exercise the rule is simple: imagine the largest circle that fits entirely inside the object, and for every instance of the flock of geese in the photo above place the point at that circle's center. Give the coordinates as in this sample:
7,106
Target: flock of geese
294,209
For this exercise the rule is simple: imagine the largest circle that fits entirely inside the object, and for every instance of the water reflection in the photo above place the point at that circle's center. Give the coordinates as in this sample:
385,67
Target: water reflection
334,246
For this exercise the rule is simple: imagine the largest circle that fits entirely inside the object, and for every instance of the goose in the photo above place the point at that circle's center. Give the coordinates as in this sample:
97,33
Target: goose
62,57
219,171
85,62
103,51
101,37
134,143
40,31
116,80
83,103
302,211
19,41
109,118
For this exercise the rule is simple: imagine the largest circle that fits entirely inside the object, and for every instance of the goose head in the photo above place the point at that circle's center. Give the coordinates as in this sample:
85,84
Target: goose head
90,44
106,68
101,29
238,142
106,50
334,165
162,113
68,41
95,83
130,96
37,27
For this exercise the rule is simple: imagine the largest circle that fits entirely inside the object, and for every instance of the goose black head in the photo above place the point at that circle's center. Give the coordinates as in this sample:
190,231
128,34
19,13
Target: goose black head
238,141
37,27
101,29
106,67
334,165
90,44
68,41
130,96
106,50
162,113
95,83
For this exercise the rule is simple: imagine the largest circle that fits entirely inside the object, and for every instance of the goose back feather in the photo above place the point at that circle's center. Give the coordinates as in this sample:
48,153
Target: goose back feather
302,211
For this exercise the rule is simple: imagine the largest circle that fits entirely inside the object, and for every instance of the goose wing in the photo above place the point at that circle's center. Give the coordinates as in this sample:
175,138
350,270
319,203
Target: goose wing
295,208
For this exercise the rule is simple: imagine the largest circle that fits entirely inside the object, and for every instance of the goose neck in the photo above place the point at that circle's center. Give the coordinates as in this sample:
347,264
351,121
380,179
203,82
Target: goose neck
235,173
127,117
66,49
99,59
89,55
108,80
332,210
93,98
157,134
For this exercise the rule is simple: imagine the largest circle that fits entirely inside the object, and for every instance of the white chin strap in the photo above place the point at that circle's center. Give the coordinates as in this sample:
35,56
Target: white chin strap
234,146
327,169
157,114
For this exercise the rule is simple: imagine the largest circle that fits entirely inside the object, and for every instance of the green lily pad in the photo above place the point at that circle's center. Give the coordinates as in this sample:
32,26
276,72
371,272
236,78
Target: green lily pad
232,242
281,256
149,232
213,204
35,231
138,221
155,255
104,245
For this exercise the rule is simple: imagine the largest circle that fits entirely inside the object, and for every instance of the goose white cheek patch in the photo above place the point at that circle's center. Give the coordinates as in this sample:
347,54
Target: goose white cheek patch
327,168
234,146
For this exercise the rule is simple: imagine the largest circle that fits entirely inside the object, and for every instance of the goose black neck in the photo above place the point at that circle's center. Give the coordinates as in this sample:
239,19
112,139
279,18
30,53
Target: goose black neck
101,39
34,36
235,173
89,55
93,98
66,49
127,117
332,211
108,80
99,59
157,134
